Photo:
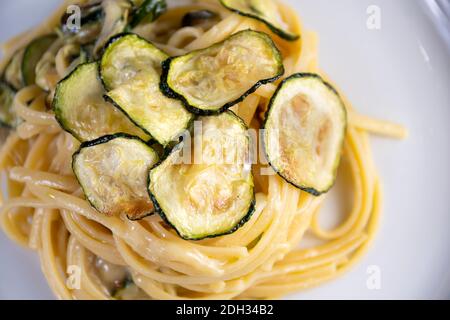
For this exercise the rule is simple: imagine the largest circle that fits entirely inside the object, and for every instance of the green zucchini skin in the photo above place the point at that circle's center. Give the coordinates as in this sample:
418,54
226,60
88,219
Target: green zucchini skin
158,209
148,11
107,138
33,53
99,141
163,216
169,92
309,190
8,118
279,32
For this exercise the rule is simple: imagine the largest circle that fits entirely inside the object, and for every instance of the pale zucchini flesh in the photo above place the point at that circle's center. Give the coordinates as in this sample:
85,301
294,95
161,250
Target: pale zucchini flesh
130,69
211,80
212,195
265,11
304,132
80,108
112,171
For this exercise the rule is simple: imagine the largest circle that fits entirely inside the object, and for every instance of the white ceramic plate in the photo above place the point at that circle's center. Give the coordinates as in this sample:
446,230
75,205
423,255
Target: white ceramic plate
401,73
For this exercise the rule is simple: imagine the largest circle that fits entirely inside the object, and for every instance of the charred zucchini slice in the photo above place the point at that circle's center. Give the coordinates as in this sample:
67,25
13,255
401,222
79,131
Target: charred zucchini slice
212,195
33,53
304,132
81,110
112,171
211,80
8,117
265,11
130,69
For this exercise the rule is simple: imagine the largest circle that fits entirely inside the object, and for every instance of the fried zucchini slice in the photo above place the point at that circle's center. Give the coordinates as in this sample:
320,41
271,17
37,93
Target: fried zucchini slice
130,69
211,80
81,110
33,53
112,171
211,195
8,117
265,11
304,131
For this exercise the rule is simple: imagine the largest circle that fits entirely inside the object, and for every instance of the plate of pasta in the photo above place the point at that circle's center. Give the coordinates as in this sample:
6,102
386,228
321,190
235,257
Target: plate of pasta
204,149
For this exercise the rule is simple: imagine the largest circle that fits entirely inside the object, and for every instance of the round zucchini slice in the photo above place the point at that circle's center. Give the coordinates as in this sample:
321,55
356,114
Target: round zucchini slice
265,11
81,110
8,117
33,53
211,195
304,132
112,171
211,80
131,71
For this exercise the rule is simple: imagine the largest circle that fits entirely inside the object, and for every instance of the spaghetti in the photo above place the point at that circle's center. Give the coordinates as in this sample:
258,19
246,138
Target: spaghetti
43,207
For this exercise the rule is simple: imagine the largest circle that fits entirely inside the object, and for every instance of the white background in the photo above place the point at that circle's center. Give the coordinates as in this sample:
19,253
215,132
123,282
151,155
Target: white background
401,73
